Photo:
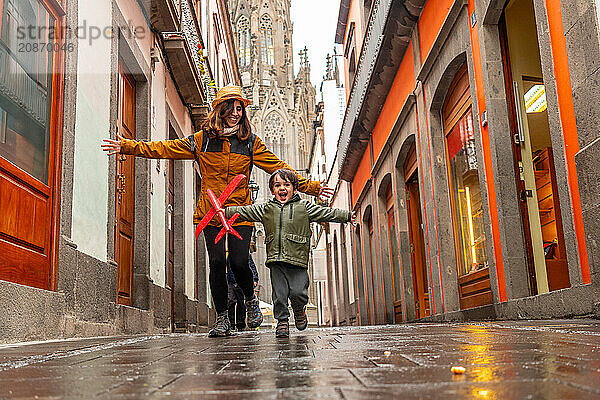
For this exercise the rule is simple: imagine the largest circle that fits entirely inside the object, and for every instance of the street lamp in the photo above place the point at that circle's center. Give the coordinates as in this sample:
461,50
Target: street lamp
253,189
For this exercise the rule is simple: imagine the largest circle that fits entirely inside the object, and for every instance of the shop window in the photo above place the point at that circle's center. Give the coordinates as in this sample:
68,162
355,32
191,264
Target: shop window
26,77
467,206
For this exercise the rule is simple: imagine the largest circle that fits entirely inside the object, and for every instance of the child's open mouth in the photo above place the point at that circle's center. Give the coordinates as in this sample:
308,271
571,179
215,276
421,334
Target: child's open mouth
282,195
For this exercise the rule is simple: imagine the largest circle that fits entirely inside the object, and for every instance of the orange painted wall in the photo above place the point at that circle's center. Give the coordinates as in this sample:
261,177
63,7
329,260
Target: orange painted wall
432,18
363,173
402,87
354,15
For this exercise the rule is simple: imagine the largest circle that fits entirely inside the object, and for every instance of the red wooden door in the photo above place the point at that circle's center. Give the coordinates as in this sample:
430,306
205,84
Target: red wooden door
125,190
372,289
417,248
395,264
30,133
415,233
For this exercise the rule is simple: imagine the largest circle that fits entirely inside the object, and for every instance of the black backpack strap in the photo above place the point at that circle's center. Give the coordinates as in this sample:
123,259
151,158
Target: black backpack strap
193,146
251,141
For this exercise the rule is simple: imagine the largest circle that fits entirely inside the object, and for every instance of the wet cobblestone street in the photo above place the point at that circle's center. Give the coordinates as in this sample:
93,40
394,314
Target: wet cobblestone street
503,360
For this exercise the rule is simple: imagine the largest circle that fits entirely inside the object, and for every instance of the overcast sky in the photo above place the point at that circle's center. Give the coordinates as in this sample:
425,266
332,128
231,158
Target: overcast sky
315,23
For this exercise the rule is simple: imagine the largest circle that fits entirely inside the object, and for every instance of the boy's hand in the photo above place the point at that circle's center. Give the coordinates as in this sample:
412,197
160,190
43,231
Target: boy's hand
112,146
325,193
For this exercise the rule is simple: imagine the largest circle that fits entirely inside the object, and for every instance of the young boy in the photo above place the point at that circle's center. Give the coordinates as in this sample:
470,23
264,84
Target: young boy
287,219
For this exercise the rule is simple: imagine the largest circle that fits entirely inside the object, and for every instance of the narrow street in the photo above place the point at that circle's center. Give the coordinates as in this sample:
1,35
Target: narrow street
503,360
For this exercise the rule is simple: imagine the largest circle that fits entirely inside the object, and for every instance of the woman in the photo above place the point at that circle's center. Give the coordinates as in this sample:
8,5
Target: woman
223,148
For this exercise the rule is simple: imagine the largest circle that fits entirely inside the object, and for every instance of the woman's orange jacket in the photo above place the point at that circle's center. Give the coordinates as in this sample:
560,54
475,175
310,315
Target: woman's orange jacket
219,160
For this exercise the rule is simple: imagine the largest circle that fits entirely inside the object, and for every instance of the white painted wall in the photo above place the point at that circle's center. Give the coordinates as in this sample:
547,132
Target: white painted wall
334,104
342,200
189,231
158,131
90,183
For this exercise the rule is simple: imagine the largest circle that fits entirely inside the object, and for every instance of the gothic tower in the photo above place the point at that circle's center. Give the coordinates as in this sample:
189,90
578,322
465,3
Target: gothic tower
282,108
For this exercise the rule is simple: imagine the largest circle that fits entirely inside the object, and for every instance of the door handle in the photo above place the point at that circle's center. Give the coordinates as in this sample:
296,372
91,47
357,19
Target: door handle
120,186
121,183
525,194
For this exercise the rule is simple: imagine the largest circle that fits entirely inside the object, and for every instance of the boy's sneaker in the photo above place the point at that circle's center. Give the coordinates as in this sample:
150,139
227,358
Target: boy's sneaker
283,329
222,326
253,315
300,319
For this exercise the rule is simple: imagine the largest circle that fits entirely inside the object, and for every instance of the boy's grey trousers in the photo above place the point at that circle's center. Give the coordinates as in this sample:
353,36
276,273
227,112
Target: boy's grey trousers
288,282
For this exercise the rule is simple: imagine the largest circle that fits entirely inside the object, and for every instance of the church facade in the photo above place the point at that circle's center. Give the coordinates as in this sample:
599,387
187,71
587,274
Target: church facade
282,108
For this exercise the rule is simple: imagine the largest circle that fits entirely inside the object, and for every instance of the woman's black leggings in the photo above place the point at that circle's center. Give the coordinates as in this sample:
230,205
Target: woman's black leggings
238,261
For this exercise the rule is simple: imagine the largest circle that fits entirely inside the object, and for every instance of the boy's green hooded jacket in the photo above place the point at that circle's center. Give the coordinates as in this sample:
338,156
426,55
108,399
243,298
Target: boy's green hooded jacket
287,226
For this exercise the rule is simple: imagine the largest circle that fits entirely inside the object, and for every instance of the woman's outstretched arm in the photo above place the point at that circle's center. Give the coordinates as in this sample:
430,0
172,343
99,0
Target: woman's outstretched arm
174,149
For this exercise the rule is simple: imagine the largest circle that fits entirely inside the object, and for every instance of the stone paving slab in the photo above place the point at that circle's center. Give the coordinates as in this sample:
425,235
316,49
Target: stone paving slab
503,360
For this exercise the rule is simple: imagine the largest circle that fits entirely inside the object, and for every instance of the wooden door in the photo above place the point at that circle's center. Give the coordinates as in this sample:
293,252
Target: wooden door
125,190
30,137
533,157
371,283
170,239
394,256
415,233
417,248
517,158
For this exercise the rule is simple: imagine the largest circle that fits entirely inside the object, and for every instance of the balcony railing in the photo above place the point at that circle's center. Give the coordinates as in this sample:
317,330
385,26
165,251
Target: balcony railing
386,39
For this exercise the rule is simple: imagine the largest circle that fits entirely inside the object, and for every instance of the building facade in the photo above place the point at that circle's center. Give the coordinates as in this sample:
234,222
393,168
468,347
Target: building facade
468,143
331,251
96,245
282,108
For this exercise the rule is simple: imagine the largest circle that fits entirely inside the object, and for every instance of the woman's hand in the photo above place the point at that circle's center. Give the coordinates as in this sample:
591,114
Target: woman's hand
325,193
112,146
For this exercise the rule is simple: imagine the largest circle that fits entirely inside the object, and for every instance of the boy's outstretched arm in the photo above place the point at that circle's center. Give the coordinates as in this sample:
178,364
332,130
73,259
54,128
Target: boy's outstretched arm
253,212
318,213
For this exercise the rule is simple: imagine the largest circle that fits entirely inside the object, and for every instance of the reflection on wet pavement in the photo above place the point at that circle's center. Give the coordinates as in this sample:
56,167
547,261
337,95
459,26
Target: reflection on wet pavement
503,360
